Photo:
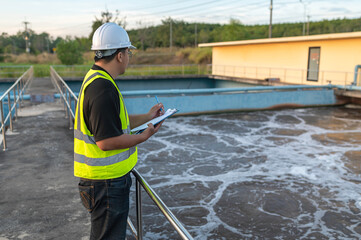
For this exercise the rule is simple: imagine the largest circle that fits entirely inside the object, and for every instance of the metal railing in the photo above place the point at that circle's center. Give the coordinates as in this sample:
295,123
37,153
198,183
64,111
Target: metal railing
286,75
140,70
17,90
66,94
12,71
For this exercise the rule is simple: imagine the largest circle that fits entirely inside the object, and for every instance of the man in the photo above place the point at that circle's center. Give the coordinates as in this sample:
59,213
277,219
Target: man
104,150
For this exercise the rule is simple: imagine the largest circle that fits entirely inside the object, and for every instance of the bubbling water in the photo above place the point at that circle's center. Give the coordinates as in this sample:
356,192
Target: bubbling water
290,174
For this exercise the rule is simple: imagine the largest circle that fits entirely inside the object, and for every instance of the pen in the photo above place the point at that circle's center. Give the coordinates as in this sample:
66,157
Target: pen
158,103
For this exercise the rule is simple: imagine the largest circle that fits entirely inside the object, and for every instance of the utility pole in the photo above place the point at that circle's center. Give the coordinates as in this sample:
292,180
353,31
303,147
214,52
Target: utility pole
270,20
304,17
308,24
170,35
26,37
48,44
195,33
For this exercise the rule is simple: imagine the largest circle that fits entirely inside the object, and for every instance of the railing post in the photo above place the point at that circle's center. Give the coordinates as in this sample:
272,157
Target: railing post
70,117
346,78
3,124
18,90
139,210
64,100
10,113
21,90
16,109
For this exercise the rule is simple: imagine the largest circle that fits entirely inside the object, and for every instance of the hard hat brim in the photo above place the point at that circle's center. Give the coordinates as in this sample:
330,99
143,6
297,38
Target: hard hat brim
104,48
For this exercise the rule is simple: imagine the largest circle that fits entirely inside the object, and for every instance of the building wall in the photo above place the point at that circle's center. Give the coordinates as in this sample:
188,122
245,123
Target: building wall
288,61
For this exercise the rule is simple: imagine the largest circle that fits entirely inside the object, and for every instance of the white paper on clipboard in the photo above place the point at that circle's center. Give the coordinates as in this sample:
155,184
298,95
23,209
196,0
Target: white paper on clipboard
154,121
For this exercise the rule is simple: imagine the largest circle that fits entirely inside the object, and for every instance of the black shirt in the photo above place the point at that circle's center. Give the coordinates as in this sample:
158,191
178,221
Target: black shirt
102,108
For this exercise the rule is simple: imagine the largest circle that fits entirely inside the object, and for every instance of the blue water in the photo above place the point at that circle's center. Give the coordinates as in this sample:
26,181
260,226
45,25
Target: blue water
3,88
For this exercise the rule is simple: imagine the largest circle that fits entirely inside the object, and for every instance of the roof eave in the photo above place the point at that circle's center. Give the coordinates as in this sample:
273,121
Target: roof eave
332,36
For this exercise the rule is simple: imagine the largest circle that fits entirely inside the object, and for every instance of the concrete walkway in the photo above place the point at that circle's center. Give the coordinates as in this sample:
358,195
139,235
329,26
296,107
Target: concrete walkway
38,192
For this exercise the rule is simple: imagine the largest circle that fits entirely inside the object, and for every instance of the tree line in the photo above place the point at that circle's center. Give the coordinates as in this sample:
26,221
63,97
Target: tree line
184,34
190,34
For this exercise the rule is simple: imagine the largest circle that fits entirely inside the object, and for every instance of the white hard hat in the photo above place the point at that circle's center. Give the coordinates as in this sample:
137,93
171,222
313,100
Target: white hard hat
110,36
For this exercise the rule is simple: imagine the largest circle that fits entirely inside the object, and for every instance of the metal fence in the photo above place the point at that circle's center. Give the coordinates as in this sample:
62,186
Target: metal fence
66,94
70,99
286,75
12,71
139,70
12,99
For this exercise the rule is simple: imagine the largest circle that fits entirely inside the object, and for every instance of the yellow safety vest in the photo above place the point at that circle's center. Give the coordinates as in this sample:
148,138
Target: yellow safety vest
89,160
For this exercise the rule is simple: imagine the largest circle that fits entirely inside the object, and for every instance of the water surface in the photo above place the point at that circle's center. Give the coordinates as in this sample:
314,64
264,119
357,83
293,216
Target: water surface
290,174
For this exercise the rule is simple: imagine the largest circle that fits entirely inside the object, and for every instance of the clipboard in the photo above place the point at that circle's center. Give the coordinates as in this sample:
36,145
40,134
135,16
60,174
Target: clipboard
154,121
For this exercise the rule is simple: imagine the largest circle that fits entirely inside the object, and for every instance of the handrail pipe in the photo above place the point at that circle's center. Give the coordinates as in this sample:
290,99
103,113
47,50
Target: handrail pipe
17,89
357,67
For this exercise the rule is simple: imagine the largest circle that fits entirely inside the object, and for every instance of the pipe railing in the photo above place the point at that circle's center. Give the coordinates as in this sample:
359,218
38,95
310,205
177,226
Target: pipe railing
12,71
17,90
66,95
141,70
285,75
160,204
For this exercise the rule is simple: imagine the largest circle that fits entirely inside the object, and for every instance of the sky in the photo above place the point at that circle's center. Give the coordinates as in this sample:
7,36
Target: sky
74,17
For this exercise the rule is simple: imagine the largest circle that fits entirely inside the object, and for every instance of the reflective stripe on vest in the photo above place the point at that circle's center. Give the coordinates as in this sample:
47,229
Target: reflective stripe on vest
104,161
89,160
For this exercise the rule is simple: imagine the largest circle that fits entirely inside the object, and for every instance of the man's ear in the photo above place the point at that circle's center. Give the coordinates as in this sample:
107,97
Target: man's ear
120,56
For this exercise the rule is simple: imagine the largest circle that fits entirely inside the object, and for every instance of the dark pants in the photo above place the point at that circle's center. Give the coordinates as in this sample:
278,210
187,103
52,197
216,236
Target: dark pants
108,204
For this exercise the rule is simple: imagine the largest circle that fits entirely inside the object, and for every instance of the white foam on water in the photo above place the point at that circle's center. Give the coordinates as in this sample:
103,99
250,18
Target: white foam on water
303,172
258,146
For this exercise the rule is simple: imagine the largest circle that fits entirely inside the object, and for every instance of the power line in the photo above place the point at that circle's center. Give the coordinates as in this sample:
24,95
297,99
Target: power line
207,11
233,8
225,11
69,27
183,8
157,5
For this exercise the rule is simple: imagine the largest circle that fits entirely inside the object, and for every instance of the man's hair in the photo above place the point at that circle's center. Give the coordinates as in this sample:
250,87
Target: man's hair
109,58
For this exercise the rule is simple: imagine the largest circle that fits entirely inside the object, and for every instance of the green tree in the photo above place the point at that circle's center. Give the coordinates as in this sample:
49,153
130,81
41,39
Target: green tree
2,57
68,51
84,43
105,17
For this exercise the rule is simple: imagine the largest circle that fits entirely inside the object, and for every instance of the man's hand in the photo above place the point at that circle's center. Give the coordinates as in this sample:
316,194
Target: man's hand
156,111
151,130
126,140
139,119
